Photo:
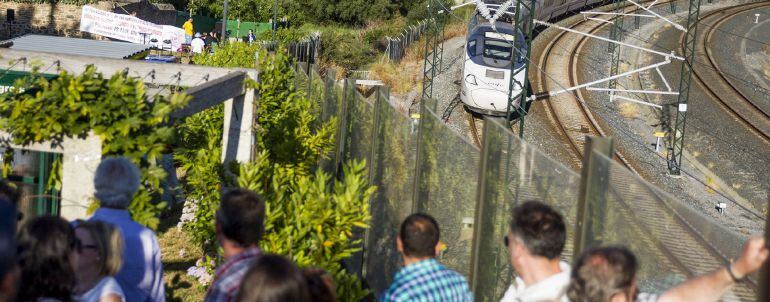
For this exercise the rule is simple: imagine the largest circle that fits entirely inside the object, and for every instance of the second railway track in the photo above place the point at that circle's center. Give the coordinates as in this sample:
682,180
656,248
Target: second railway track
676,242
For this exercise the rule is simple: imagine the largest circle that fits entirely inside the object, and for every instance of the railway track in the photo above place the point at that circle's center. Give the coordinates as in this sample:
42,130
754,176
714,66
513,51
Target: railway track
719,87
676,242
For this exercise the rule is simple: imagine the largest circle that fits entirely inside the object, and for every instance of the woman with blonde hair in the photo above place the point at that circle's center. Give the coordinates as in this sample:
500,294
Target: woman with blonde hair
99,256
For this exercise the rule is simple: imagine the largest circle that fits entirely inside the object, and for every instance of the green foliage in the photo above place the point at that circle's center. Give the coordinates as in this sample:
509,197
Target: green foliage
200,154
310,220
230,55
116,109
286,124
284,35
345,50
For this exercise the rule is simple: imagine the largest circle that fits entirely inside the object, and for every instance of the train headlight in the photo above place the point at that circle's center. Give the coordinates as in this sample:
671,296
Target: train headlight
471,79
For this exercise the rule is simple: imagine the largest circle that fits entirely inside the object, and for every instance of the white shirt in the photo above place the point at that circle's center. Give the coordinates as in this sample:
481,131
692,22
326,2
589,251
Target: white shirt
105,287
553,288
197,45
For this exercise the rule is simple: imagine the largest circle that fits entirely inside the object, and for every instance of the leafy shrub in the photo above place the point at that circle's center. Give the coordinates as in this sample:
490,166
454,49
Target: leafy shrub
116,109
230,55
310,220
345,49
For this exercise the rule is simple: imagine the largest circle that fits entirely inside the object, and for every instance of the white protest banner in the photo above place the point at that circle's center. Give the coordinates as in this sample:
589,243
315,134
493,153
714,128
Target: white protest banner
128,28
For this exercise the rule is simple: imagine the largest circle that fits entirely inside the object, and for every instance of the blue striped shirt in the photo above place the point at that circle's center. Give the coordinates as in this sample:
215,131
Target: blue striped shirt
428,280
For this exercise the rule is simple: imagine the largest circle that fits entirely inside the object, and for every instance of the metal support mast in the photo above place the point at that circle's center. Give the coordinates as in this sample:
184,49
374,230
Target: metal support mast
523,21
676,137
616,34
433,51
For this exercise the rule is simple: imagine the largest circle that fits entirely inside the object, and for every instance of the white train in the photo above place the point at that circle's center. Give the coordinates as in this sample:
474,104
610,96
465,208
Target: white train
487,66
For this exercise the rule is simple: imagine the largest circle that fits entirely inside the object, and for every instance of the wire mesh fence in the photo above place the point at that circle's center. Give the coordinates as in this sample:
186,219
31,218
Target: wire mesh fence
420,165
397,45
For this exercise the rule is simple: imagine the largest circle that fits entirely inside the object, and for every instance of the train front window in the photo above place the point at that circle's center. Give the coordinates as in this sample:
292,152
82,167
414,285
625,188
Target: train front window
497,49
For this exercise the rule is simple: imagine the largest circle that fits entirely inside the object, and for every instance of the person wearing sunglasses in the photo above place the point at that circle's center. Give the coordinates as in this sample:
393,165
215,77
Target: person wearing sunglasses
99,250
535,241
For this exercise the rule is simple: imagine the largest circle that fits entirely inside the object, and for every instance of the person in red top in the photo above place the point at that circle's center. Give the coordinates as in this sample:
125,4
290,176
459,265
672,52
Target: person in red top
239,228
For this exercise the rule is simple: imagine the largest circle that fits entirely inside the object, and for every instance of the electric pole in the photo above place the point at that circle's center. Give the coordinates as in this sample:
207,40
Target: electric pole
433,51
224,23
520,52
676,137
616,34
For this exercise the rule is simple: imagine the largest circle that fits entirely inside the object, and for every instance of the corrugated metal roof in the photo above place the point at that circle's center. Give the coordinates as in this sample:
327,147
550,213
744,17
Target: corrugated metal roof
76,46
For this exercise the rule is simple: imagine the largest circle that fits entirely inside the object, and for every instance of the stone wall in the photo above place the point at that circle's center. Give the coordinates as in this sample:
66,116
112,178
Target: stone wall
59,19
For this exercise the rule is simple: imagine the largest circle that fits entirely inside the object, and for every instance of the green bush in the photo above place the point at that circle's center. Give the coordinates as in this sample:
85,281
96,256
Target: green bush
128,121
345,49
230,55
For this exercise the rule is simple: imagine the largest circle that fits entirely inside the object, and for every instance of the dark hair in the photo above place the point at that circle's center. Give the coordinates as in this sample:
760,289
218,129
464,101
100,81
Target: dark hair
419,235
45,244
7,236
10,193
540,228
241,215
601,273
320,285
273,278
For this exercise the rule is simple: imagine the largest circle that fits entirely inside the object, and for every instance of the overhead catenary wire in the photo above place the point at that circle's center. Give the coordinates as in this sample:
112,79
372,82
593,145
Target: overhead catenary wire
644,145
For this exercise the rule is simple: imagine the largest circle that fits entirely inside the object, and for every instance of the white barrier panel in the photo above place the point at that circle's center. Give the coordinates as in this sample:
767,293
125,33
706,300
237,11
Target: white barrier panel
129,28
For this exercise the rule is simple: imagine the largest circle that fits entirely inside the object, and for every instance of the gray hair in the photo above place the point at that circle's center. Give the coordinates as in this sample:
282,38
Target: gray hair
116,181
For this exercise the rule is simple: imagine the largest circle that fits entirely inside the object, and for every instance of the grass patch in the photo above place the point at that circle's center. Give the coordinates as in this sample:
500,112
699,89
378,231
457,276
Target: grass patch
178,252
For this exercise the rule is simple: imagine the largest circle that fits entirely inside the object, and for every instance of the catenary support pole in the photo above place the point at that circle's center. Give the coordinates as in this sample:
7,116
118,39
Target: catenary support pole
676,135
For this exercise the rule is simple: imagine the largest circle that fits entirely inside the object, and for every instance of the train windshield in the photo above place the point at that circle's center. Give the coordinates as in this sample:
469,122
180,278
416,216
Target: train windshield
497,49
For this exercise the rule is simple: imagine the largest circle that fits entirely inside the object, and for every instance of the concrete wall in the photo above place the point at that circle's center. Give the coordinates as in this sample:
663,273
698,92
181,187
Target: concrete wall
64,19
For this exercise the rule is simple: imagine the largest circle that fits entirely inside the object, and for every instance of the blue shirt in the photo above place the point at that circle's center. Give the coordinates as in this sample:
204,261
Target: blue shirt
141,276
427,280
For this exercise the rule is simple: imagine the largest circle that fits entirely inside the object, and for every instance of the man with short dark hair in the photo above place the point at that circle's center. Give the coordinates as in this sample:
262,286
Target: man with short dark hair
535,240
608,274
9,270
423,278
239,228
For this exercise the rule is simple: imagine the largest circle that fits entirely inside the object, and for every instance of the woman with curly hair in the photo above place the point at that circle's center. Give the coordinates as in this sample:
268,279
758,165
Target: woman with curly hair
45,246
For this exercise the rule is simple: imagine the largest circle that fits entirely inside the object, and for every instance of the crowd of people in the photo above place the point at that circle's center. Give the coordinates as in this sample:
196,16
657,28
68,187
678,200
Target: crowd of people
110,257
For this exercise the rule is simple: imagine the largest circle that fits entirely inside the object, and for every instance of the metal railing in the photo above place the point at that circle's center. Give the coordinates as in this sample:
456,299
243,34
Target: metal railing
397,45
305,50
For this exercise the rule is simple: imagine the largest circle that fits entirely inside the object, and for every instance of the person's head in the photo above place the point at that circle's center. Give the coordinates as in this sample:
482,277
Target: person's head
8,269
604,274
197,35
9,192
99,247
419,236
273,278
320,285
251,31
189,20
240,217
116,181
536,230
45,251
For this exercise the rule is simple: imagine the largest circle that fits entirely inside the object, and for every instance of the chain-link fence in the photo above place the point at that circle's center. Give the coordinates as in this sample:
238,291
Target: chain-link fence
420,165
397,45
